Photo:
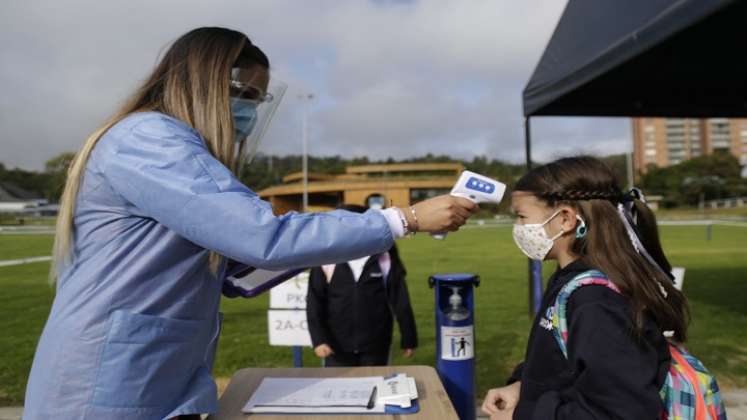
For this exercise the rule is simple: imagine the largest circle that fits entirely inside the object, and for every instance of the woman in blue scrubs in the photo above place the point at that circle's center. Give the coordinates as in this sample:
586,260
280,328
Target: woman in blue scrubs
151,214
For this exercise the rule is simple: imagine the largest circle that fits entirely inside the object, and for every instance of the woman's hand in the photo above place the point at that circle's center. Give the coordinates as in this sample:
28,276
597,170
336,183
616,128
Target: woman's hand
323,350
500,402
408,353
444,213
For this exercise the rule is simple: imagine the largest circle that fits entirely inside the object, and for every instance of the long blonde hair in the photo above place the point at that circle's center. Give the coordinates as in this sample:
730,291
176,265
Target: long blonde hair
190,83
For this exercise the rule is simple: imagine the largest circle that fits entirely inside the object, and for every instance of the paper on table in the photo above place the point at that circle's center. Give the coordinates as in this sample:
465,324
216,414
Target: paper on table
397,390
310,394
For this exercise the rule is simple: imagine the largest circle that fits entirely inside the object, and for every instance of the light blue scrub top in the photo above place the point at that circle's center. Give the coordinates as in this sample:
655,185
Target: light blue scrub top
135,323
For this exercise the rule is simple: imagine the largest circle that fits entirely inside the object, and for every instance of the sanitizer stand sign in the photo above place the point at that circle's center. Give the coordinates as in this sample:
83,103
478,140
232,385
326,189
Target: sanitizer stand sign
457,343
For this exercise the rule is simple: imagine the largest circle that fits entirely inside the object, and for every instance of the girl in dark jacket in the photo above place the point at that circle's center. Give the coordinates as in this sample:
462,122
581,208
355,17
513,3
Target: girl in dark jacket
573,211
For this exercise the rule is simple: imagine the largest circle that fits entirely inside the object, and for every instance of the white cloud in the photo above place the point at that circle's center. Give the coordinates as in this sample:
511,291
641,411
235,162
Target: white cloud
391,78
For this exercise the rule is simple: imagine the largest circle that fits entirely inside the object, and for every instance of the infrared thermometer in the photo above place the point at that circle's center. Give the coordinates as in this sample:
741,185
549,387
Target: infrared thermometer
478,189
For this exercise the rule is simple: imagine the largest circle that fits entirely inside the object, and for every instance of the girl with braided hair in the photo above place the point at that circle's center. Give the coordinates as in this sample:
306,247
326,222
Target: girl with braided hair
615,358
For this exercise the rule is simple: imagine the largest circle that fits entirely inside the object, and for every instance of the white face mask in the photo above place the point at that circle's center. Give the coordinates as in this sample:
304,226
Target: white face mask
532,239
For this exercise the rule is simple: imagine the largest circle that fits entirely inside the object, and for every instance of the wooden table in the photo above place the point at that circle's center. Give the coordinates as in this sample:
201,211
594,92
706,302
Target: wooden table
433,400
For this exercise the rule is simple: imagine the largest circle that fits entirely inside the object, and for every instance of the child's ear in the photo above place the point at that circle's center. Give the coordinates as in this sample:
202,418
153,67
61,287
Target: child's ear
568,218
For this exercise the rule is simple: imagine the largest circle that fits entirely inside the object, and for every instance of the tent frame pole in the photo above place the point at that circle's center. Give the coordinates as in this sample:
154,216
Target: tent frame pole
535,267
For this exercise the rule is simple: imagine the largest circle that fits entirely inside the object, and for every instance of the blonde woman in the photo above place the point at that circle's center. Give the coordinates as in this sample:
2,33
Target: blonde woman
151,214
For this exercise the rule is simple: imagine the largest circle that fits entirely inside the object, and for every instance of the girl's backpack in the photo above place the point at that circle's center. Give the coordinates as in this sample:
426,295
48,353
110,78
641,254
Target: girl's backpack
690,392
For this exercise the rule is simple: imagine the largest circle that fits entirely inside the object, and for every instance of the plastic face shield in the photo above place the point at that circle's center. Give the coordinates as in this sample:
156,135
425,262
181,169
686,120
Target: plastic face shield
248,87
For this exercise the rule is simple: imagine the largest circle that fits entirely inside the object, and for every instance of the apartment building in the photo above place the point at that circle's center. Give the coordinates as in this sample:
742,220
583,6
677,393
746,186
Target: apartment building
668,141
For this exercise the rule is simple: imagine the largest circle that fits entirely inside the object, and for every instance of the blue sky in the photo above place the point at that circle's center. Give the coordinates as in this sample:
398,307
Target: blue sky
390,78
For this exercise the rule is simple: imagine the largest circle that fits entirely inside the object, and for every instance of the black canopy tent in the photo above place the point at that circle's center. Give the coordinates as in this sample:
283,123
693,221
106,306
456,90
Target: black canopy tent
675,58
664,58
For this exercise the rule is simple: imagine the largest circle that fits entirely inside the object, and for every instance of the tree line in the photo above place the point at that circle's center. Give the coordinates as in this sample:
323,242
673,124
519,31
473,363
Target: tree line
714,176
703,178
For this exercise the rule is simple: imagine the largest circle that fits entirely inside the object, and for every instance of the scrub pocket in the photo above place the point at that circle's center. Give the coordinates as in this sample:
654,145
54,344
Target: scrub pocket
147,361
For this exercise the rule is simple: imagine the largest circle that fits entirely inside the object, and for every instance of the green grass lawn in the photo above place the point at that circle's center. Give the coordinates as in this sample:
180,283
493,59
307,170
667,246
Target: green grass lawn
695,213
16,220
715,283
24,305
23,246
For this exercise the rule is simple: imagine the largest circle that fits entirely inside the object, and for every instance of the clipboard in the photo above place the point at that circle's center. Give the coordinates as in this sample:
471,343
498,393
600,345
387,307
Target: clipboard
322,396
248,282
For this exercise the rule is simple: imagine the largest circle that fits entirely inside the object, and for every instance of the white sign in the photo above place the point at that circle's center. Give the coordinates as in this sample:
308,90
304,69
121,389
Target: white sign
290,294
288,327
457,343
679,277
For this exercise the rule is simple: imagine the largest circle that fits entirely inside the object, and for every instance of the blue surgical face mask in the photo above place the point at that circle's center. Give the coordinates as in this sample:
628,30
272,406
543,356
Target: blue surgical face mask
244,117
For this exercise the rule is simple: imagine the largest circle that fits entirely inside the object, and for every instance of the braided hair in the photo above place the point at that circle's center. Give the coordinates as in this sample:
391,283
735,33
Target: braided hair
612,195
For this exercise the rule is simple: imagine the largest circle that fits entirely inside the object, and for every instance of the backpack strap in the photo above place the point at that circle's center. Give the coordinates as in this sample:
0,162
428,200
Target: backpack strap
689,388
558,316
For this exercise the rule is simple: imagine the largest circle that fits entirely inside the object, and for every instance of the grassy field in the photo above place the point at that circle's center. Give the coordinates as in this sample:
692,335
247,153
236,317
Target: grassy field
715,283
23,246
707,213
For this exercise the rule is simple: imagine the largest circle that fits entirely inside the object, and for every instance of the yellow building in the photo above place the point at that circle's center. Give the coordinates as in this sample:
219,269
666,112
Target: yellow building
398,184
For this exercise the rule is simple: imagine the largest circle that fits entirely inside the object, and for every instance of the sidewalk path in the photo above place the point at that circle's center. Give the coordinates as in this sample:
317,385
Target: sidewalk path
27,230
736,404
6,263
11,413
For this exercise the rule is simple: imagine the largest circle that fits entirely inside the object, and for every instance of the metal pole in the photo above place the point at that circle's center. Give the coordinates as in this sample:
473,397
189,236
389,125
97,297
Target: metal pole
535,267
630,162
297,356
305,158
629,159
528,142
306,98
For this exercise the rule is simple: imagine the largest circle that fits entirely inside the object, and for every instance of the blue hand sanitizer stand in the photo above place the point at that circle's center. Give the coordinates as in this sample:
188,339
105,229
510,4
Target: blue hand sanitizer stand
455,338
